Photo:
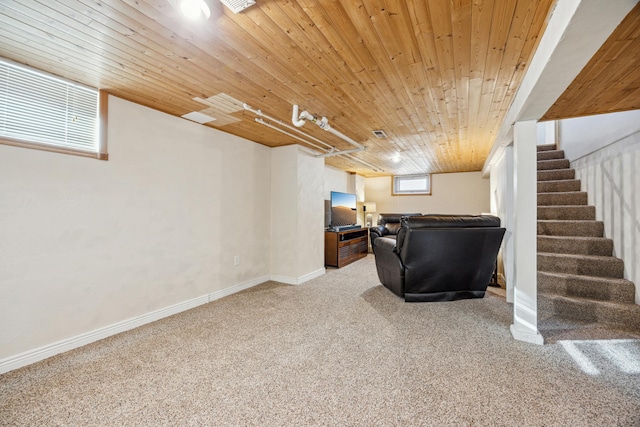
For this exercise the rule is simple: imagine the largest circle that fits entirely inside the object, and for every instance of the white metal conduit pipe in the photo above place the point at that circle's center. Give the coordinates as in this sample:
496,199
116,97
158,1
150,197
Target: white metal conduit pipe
374,168
269,125
281,123
326,154
300,120
330,151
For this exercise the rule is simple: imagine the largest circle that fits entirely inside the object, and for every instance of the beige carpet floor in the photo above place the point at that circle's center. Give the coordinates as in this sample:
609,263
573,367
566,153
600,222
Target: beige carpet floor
339,350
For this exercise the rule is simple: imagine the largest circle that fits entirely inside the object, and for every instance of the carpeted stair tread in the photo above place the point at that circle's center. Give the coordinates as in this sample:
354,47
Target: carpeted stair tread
546,147
585,228
562,198
556,174
576,245
581,290
582,286
552,164
621,314
560,185
567,212
550,155
588,265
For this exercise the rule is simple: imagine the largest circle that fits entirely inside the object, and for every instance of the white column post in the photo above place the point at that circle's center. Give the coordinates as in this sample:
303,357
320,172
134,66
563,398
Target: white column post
525,304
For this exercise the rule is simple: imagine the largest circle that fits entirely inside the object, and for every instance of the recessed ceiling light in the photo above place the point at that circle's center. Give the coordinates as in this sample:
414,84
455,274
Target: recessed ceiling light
196,10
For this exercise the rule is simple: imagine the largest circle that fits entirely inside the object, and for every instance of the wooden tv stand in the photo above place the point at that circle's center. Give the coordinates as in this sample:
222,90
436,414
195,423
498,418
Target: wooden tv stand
344,247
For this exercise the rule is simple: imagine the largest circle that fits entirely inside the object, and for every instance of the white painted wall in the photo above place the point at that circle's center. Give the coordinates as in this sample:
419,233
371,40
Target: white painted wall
452,193
335,180
546,133
585,135
88,243
610,174
284,211
359,183
502,200
310,261
297,209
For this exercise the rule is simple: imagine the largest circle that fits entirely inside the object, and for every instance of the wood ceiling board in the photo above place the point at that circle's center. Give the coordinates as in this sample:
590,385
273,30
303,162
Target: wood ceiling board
436,75
610,80
402,121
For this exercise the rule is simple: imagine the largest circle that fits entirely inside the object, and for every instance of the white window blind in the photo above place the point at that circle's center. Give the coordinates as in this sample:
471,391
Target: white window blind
38,108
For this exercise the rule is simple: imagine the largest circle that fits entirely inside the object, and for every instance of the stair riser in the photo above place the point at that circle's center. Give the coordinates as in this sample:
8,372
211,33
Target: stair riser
569,228
565,310
594,288
550,155
597,246
553,164
555,199
591,311
559,186
567,212
554,175
546,147
606,267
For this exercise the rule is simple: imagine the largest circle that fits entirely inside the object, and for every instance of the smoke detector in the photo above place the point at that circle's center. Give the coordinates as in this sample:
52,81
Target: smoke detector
237,5
379,133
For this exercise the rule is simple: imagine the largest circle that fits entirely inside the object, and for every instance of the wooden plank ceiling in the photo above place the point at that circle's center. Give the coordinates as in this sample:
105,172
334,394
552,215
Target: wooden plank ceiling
437,76
610,82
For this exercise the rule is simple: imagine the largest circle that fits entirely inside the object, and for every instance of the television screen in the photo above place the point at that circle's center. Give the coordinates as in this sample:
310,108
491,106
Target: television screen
343,209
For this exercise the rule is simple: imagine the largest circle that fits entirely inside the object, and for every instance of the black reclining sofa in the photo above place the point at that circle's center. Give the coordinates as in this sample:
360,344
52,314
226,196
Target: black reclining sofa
388,225
439,257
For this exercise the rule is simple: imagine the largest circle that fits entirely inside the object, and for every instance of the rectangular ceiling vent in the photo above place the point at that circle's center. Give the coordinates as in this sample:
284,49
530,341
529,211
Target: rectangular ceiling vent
221,106
198,117
238,5
379,133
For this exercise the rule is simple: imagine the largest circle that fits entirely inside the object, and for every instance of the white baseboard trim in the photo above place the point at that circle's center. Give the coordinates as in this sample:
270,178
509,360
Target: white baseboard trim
300,280
49,350
312,275
237,288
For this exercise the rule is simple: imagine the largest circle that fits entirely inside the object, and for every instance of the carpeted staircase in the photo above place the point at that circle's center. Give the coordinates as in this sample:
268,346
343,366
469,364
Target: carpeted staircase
581,290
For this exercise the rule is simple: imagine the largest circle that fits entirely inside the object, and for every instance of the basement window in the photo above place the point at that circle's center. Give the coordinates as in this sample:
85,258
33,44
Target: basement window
408,185
39,110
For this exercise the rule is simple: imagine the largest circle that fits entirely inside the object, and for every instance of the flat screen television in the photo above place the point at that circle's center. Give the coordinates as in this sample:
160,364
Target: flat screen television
343,209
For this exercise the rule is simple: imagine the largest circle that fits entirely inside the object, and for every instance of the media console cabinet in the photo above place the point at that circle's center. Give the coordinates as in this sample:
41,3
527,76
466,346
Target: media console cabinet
344,247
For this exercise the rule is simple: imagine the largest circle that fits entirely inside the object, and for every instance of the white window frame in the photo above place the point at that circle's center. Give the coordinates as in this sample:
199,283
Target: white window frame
398,180
45,112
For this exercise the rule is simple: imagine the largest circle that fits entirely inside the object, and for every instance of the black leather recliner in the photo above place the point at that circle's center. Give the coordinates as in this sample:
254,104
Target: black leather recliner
440,257
388,226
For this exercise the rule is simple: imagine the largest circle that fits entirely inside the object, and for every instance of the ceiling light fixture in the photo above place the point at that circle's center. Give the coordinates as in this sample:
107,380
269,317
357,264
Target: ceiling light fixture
196,10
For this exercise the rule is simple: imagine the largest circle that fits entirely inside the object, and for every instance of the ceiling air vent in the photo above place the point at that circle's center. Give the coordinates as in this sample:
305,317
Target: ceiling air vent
237,5
198,117
379,133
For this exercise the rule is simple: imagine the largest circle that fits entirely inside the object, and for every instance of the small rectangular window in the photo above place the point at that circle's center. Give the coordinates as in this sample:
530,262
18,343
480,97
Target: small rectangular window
38,110
412,185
